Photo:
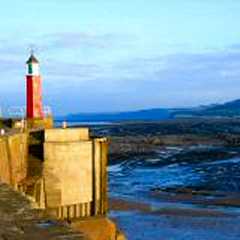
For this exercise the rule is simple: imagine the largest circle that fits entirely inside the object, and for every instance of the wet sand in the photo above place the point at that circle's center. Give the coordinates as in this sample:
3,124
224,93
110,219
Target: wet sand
142,222
206,198
128,205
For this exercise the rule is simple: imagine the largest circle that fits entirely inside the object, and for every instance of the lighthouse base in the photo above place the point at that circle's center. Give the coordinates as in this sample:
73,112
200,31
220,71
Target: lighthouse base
45,123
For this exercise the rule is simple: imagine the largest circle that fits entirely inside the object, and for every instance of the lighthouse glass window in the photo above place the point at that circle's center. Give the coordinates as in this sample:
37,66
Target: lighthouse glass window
33,69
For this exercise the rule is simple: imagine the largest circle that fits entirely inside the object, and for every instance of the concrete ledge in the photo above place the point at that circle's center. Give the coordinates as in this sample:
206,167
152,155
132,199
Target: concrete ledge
67,135
98,228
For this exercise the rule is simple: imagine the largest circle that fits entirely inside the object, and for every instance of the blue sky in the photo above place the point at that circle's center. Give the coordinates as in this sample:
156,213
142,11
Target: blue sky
106,55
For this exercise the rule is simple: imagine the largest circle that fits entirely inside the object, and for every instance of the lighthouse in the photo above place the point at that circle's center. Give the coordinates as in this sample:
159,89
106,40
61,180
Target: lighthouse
34,90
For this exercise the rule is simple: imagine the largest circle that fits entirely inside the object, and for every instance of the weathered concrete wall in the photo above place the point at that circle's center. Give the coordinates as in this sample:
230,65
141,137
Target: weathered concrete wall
5,173
104,176
100,175
75,173
13,158
68,173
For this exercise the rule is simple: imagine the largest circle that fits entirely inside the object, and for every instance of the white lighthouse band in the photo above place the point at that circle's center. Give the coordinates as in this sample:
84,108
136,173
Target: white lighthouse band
33,69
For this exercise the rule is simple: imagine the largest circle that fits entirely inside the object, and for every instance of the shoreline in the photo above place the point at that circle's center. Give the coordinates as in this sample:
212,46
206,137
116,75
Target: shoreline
127,205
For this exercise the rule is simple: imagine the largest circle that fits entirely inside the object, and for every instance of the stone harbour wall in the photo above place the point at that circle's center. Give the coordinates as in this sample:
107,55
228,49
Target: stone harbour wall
73,182
63,172
13,158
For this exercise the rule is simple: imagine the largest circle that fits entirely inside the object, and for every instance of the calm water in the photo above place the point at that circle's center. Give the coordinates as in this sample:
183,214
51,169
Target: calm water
134,180
81,123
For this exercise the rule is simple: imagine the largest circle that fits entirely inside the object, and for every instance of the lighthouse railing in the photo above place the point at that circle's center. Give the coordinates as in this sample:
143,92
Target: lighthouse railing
16,112
47,111
19,112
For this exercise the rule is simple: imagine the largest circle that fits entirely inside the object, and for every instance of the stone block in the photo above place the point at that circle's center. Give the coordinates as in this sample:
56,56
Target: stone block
67,135
68,167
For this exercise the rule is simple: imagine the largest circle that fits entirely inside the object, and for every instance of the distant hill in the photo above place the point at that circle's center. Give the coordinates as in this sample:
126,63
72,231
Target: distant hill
141,115
228,109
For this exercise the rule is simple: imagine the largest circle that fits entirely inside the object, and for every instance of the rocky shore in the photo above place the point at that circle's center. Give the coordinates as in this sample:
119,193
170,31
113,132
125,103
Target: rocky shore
136,139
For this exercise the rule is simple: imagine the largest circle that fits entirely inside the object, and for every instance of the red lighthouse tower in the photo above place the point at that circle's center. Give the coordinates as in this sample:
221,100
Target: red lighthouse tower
34,90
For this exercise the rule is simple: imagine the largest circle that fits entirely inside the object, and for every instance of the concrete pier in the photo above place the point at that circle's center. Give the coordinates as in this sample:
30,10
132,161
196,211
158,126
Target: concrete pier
62,170
63,174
